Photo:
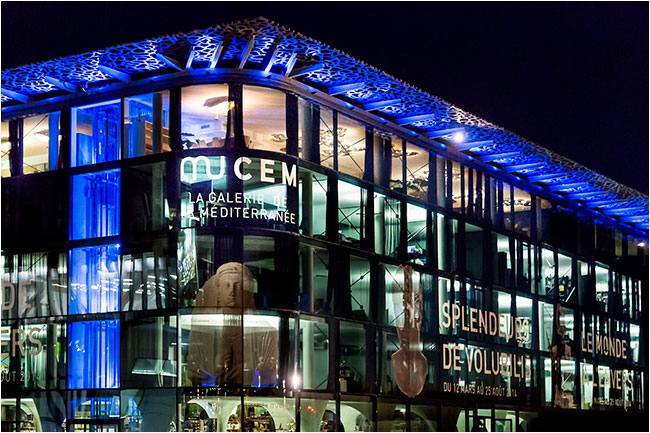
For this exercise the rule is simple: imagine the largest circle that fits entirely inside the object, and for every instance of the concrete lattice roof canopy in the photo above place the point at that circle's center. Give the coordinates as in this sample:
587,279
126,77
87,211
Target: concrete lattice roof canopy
262,45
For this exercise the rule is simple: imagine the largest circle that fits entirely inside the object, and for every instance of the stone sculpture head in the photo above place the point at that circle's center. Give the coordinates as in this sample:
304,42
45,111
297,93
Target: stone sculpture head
232,286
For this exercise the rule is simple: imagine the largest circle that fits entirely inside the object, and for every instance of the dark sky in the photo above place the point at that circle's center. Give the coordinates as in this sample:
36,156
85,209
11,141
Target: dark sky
572,77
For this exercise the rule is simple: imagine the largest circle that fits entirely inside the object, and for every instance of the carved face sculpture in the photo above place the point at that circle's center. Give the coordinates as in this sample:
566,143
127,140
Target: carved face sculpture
231,286
409,364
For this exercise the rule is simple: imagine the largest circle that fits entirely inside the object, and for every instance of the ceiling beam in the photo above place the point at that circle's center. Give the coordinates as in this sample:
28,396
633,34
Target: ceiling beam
547,176
172,63
517,167
271,55
247,52
301,71
342,88
216,54
16,95
470,144
442,132
380,104
68,87
417,118
616,210
114,73
494,156
190,58
567,186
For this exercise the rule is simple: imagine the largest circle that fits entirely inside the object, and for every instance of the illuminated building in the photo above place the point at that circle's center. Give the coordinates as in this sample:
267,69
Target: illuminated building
243,228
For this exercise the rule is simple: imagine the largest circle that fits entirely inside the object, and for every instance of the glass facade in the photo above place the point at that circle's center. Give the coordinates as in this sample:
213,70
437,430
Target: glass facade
232,257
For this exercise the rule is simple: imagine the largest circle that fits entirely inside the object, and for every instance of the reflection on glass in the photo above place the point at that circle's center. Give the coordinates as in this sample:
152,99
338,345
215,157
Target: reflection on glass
314,353
602,287
147,207
94,354
416,242
94,279
96,133
327,138
264,118
417,171
95,204
312,199
548,286
566,289
357,416
41,137
391,417
5,148
396,163
351,213
148,410
387,225
318,414
146,124
351,146
352,346
221,351
315,292
205,116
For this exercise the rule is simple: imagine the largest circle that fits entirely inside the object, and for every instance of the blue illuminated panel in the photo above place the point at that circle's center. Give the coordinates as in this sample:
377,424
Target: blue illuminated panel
94,279
95,199
96,133
94,354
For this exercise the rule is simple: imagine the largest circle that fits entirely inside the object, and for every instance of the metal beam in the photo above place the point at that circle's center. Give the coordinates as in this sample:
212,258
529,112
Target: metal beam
300,71
246,53
634,218
517,167
172,63
114,73
443,132
580,195
342,88
68,87
216,55
190,58
469,145
380,104
412,119
271,54
548,176
494,156
597,204
614,211
15,95
567,186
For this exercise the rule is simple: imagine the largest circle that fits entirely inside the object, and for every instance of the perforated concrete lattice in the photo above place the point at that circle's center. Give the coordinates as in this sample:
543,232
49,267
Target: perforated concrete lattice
260,44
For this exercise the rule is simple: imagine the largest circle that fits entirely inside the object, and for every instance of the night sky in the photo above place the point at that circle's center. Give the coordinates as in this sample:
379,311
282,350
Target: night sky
572,77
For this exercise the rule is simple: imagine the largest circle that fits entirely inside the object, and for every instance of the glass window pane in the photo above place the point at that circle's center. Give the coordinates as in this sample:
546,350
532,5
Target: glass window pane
94,354
351,146
195,259
92,404
148,277
357,416
416,242
391,417
352,346
261,350
148,410
602,287
315,295
5,148
387,225
318,414
417,171
149,352
96,133
147,207
44,363
548,285
265,118
205,112
95,204
312,199
200,177
527,322
565,278
211,351
326,137
351,213
42,290
522,211
41,138
396,164
474,251
146,124
314,352
94,279
360,288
